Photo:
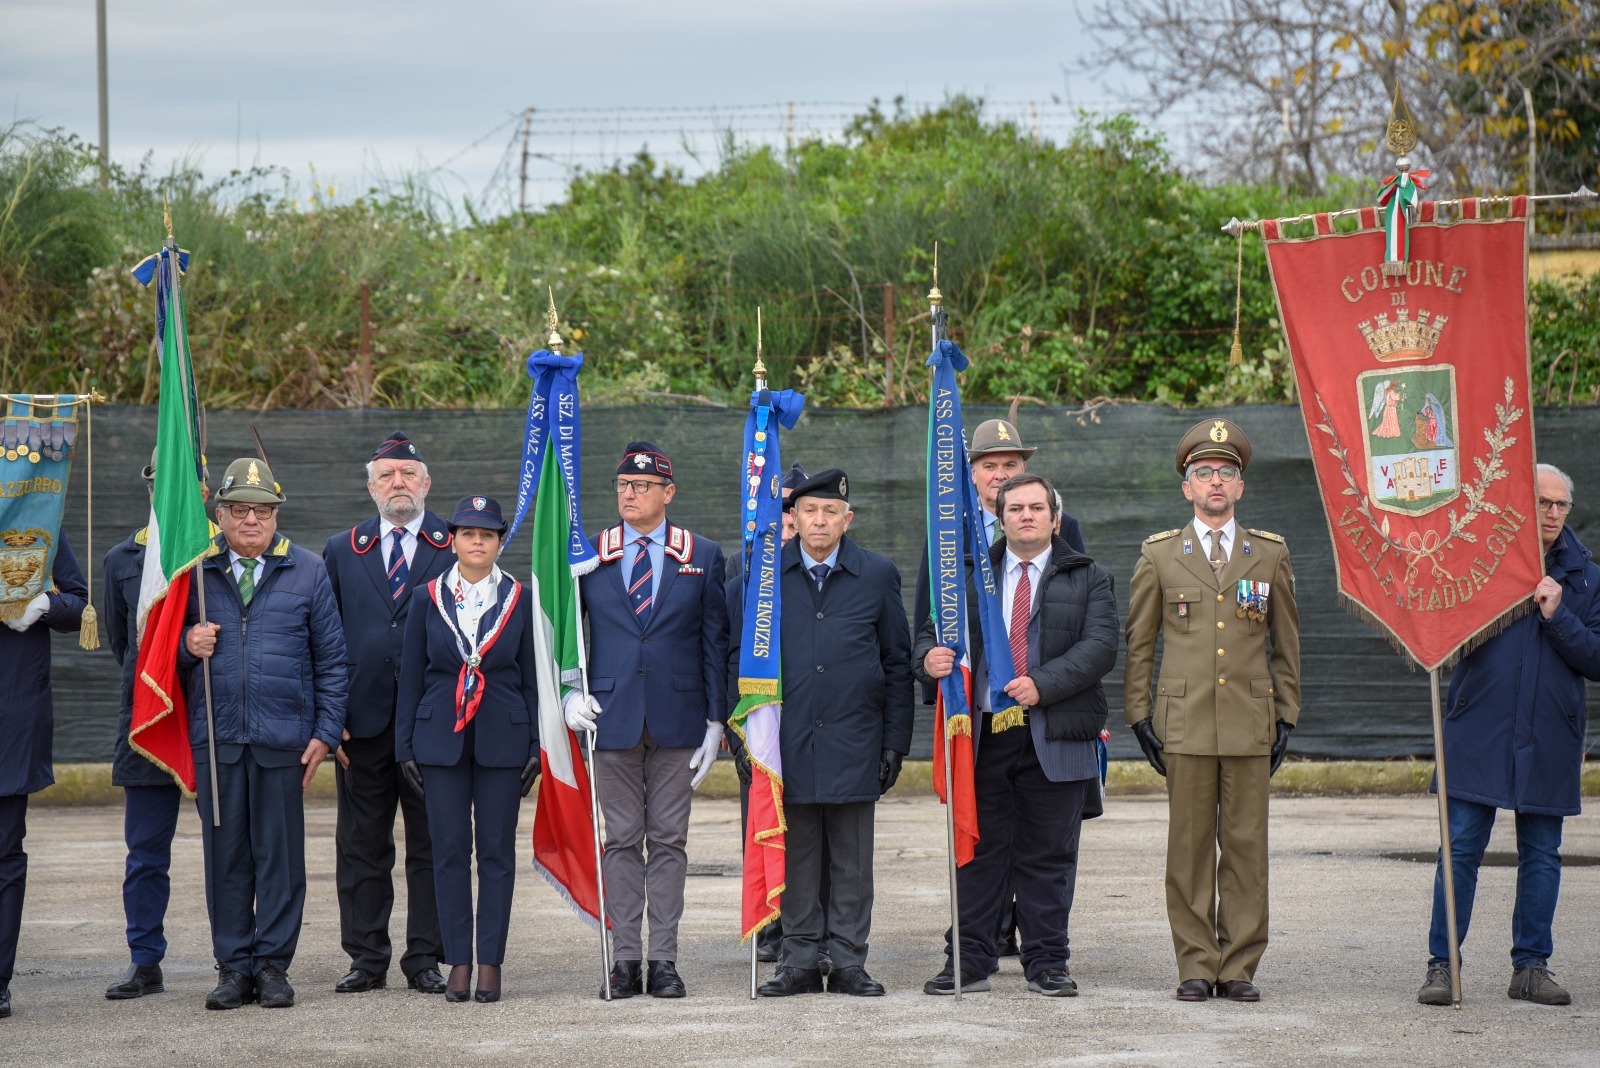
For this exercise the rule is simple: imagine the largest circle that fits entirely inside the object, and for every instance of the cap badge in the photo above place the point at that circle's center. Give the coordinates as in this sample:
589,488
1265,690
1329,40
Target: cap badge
412,449
363,539
479,503
252,476
844,488
777,488
641,461
226,482
1005,434
1219,432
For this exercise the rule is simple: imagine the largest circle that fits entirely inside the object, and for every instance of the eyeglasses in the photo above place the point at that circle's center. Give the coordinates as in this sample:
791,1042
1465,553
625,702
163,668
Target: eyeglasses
1224,474
1561,507
639,486
262,511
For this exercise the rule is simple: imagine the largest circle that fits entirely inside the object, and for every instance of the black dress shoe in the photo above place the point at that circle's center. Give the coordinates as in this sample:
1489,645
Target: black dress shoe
136,982
790,981
1054,983
359,981
233,989
428,980
664,980
455,991
945,982
855,981
626,980
488,991
1194,990
5,1000
1238,990
272,987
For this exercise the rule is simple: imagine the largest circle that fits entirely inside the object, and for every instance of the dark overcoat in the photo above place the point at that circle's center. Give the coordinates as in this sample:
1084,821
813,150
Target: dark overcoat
846,675
27,713
506,725
670,673
124,569
374,621
1515,719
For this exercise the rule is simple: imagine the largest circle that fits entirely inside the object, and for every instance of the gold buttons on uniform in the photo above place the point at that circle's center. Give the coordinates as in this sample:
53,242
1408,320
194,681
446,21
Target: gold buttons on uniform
1219,598
1222,682
1220,624
1222,652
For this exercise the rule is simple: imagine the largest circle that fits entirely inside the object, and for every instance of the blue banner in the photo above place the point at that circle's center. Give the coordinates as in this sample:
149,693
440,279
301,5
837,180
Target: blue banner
762,530
38,439
554,421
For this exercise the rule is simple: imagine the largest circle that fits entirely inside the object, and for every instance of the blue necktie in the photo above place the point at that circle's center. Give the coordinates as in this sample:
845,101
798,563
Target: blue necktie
639,593
820,573
398,571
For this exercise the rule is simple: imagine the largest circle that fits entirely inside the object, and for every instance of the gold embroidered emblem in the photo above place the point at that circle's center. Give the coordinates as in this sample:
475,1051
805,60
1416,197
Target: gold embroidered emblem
252,477
1005,435
1219,432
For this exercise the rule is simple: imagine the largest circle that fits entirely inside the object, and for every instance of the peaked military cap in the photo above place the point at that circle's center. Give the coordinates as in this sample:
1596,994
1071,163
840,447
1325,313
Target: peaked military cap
249,481
1214,439
480,513
997,435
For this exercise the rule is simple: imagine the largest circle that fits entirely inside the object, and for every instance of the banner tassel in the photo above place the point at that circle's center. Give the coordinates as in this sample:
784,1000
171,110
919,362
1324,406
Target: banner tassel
1236,353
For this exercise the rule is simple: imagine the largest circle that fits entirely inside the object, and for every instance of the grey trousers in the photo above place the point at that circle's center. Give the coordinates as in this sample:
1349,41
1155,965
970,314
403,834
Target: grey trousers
840,836
644,796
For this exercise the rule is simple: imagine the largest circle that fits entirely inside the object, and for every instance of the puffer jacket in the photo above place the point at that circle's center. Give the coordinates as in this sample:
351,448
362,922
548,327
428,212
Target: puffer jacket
278,674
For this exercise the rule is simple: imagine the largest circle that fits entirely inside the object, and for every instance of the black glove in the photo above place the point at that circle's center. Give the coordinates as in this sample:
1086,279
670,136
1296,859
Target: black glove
741,766
412,775
1145,731
889,769
1280,747
530,773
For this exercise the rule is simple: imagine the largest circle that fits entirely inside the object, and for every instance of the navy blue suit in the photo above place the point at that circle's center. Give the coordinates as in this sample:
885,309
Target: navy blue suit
472,777
370,789
658,685
151,799
27,728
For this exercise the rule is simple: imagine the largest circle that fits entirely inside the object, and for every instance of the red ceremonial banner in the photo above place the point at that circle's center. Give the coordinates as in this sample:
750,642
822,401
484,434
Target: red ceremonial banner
1414,387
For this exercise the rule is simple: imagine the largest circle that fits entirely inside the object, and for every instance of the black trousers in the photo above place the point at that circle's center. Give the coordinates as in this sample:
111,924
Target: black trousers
13,878
836,839
370,791
1028,843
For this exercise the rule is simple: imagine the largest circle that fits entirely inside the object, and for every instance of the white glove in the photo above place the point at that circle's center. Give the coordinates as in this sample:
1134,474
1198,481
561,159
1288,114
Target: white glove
580,710
31,614
706,755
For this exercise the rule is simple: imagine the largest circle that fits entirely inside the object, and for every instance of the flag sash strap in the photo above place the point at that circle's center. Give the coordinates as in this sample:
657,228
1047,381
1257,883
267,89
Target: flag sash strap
1400,192
469,682
554,423
955,516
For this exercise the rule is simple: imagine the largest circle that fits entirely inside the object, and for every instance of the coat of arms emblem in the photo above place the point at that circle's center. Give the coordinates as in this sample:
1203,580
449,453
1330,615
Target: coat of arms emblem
1411,437
22,558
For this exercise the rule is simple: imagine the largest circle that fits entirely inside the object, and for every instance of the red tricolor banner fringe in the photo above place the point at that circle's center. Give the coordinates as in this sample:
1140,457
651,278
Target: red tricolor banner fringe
1415,392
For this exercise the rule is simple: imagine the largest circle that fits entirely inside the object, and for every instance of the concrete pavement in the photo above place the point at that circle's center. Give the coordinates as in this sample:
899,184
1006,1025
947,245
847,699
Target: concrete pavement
1339,980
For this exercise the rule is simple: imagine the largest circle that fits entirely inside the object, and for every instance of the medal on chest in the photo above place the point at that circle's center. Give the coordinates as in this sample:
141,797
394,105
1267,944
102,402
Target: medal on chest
1251,600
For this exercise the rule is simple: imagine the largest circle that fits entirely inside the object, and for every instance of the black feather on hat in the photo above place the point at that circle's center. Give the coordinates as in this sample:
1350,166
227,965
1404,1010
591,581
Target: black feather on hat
644,458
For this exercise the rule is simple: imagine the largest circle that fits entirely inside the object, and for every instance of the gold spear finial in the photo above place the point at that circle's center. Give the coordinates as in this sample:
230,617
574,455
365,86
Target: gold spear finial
166,216
553,342
760,368
1401,133
934,296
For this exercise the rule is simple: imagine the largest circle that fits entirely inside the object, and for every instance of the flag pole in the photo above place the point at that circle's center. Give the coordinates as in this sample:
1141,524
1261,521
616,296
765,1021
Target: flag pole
181,337
553,343
936,315
1446,865
760,371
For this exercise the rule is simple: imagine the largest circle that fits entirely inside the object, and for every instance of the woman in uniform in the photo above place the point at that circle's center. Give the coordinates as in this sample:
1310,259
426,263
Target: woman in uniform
466,737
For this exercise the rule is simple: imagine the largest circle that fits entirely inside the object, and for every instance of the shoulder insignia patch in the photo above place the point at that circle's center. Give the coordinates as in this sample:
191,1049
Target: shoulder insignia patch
680,544
610,547
1266,534
1164,535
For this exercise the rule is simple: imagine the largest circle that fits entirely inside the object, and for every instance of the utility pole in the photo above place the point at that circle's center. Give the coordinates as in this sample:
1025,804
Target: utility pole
1283,147
527,125
788,130
105,121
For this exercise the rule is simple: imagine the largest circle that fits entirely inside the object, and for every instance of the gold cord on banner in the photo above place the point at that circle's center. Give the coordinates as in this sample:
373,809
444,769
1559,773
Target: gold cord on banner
89,629
1236,353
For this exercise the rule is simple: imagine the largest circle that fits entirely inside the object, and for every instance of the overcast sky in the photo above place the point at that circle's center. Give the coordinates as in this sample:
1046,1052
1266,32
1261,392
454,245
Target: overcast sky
363,89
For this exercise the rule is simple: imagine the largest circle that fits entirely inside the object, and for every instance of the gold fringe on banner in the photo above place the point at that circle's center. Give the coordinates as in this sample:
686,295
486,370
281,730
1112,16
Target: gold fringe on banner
1015,716
754,687
958,726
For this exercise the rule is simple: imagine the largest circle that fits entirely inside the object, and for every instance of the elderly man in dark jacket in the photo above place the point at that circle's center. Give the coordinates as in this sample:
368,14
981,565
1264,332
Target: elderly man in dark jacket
1513,738
27,728
272,636
847,708
151,796
1031,784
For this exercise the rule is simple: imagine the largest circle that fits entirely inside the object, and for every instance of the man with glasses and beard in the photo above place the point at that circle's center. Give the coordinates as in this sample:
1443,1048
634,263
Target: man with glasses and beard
271,633
374,568
1221,600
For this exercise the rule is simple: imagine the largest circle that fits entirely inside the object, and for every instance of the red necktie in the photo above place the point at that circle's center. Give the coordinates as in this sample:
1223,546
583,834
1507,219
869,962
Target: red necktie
1021,606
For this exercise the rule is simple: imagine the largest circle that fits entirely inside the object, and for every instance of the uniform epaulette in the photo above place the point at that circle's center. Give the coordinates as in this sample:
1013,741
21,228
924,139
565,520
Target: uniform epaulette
1269,535
1164,535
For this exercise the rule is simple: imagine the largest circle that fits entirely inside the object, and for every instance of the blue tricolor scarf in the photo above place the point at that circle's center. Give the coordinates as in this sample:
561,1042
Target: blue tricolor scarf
955,523
553,422
761,492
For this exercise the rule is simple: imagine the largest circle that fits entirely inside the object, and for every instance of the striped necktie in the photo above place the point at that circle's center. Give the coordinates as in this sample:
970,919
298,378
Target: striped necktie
1021,608
247,579
639,594
398,571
